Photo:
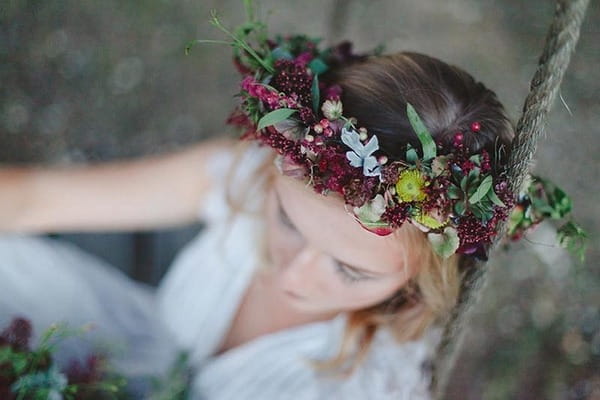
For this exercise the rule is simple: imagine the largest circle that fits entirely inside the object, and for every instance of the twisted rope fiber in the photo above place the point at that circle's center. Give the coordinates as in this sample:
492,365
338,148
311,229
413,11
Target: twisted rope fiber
560,44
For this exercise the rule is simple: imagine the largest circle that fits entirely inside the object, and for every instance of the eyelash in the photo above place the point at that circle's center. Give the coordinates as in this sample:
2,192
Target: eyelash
340,268
285,220
347,276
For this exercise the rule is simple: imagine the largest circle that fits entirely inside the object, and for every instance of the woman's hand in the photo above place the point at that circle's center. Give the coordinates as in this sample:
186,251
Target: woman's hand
142,194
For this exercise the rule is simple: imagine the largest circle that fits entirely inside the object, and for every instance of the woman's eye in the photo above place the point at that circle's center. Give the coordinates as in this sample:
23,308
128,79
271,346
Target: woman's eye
349,275
285,220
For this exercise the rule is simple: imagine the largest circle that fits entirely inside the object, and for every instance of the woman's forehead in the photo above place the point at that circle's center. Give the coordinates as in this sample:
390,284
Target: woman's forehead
324,221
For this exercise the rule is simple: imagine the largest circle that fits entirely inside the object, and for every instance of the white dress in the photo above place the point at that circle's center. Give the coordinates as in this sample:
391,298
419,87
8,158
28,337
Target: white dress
192,309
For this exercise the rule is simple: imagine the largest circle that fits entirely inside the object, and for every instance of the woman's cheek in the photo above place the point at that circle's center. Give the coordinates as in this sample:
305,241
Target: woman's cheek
369,294
283,246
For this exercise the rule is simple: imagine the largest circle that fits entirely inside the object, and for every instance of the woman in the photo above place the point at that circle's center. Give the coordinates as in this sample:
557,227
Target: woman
298,288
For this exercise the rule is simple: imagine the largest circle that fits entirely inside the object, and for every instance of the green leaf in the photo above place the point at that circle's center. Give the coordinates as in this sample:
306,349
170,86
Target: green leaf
429,148
560,202
463,184
460,208
274,117
314,90
241,43
444,244
411,155
573,238
477,212
318,66
454,192
473,175
280,54
482,190
20,365
495,199
476,158
379,49
5,354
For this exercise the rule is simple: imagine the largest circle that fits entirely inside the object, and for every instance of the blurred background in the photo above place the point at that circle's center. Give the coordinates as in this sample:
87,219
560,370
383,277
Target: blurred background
83,81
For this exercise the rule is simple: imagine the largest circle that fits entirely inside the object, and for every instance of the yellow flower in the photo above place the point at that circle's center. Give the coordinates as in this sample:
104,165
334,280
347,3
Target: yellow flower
430,220
411,185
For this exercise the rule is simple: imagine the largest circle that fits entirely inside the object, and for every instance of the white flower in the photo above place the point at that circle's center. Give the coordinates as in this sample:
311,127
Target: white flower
361,154
445,244
332,109
372,210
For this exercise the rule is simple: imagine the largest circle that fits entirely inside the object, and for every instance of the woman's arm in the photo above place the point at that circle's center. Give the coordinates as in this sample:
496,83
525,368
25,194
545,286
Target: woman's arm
146,193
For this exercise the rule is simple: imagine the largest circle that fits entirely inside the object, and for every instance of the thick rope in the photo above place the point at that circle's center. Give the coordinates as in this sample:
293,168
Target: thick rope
560,44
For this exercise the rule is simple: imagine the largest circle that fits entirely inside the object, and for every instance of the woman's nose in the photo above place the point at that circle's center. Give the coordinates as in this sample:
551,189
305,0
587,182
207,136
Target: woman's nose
302,269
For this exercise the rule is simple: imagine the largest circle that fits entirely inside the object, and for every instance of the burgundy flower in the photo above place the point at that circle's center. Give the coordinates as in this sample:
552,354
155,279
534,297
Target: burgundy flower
89,371
303,58
292,78
242,69
307,116
342,53
472,232
396,215
333,92
358,191
18,334
241,119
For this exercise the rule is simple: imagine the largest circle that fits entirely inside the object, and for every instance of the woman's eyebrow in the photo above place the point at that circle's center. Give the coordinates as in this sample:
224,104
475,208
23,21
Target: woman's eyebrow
352,267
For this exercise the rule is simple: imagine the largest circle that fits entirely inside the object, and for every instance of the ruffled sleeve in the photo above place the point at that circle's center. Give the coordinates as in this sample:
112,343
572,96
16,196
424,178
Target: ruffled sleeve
391,371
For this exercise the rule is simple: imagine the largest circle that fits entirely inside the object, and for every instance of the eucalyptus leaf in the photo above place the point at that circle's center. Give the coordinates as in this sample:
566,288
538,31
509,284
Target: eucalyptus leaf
482,190
318,66
454,192
463,184
281,54
429,147
274,117
411,155
314,90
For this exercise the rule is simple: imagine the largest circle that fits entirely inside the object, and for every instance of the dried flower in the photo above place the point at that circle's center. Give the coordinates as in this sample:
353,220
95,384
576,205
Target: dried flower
332,109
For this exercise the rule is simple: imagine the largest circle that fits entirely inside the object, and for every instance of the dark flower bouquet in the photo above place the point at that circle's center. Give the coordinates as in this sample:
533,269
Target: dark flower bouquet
28,373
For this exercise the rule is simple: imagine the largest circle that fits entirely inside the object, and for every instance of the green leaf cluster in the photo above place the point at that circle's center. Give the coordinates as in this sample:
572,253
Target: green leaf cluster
542,199
474,193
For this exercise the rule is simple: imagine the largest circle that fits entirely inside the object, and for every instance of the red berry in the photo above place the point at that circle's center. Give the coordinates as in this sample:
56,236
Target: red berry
458,139
475,127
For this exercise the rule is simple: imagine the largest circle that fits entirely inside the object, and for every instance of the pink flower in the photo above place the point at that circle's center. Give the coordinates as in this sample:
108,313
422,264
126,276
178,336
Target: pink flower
333,92
303,58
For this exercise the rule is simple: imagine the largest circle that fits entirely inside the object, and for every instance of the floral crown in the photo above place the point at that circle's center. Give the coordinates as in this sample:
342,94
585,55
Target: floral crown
448,192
